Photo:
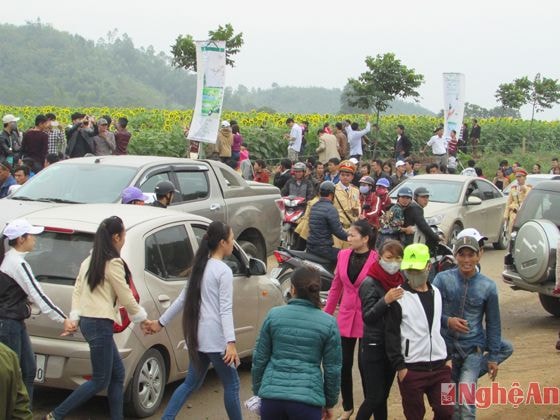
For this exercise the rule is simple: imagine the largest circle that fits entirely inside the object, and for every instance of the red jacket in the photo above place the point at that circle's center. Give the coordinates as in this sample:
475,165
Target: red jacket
349,319
377,207
262,176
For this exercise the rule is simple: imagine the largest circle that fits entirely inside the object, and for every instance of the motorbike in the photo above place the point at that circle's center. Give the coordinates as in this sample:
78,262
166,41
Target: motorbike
289,260
292,208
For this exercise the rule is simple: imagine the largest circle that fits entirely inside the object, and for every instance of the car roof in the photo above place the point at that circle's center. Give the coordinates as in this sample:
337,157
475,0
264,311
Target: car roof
442,177
548,186
87,217
133,161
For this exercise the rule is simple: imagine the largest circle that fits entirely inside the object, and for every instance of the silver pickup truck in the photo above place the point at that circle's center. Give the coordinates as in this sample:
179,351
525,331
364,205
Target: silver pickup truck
207,188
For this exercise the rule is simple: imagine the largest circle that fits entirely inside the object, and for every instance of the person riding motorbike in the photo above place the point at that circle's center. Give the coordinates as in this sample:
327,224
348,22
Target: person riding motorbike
299,186
414,217
374,202
324,222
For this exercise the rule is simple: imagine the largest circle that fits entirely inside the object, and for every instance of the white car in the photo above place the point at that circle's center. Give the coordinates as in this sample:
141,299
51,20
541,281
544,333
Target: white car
458,202
159,248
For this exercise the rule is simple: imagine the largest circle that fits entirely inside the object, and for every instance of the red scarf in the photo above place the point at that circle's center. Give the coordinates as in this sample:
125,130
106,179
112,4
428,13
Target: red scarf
388,281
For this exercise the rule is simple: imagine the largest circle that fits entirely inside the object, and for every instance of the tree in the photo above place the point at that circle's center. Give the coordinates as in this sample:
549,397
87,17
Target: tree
541,93
385,80
184,49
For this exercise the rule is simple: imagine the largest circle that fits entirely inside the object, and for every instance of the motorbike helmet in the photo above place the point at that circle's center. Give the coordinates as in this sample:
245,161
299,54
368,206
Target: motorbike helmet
300,166
164,187
367,180
421,192
383,182
326,188
405,192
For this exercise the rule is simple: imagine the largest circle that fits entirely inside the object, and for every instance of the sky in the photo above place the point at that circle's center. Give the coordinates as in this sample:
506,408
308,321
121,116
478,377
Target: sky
305,43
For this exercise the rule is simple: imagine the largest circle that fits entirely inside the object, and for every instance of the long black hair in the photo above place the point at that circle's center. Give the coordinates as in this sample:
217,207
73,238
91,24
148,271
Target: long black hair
104,250
217,231
11,242
307,283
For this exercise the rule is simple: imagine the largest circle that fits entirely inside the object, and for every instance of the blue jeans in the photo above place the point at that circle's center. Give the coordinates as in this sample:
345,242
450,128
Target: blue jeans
289,410
195,377
14,335
468,369
107,369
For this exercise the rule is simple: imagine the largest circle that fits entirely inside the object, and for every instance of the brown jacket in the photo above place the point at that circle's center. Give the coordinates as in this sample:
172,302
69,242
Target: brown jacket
225,140
342,141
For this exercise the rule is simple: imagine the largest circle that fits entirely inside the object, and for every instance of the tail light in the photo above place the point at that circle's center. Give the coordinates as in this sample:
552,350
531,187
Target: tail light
125,320
280,204
281,257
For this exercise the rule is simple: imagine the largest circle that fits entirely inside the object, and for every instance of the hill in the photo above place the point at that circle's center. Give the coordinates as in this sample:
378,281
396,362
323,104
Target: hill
45,66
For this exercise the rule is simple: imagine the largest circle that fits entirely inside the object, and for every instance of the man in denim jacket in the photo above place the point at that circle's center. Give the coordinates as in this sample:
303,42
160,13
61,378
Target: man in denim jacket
468,298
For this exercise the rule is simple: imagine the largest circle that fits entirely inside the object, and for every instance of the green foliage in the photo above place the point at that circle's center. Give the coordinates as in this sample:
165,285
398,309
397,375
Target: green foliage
541,93
184,49
385,80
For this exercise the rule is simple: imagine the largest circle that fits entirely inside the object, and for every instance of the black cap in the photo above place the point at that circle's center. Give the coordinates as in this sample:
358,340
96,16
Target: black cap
421,191
327,187
165,187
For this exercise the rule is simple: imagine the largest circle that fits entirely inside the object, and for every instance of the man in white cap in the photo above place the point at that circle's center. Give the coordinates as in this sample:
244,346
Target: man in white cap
224,142
399,176
470,297
18,285
10,141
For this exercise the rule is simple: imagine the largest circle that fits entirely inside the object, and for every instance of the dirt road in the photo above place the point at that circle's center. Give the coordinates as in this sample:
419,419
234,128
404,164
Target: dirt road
531,330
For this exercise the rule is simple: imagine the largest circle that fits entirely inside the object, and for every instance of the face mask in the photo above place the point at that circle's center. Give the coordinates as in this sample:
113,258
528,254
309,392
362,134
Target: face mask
381,191
416,278
364,189
390,267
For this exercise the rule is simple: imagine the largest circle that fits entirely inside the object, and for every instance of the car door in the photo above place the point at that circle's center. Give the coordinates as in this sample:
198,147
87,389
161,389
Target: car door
245,296
148,181
168,256
474,215
198,193
494,204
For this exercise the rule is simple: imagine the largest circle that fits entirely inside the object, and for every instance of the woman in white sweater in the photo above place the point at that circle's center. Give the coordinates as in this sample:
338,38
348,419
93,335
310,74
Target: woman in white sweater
208,322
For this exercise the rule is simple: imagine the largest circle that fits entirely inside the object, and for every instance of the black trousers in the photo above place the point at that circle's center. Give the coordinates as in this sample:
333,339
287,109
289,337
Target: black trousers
346,385
378,376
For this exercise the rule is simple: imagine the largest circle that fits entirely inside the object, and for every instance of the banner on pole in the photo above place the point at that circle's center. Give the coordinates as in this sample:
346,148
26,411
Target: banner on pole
454,102
211,78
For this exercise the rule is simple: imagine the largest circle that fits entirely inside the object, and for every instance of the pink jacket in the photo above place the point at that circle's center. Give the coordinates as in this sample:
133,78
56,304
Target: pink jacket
349,318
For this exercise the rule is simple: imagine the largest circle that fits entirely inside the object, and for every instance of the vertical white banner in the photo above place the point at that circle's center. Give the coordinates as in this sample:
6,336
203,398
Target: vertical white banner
211,78
453,102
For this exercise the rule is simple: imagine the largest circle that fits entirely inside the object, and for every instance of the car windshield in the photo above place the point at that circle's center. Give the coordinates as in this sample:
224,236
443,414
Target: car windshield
57,256
440,191
77,183
540,205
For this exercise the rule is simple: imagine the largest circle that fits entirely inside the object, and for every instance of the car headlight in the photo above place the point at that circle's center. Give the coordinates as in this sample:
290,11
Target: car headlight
435,220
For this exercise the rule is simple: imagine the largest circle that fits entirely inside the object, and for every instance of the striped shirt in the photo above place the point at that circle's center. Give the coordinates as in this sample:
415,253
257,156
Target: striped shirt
15,266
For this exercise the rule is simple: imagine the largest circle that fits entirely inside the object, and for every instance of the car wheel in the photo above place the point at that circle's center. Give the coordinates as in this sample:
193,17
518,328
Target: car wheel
147,385
457,227
251,249
286,285
550,304
503,239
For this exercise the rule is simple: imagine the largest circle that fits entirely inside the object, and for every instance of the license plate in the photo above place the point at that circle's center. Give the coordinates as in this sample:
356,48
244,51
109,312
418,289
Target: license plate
41,362
275,272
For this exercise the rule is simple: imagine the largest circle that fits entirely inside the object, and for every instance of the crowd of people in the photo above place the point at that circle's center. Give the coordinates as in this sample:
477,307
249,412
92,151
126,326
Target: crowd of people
25,153
404,319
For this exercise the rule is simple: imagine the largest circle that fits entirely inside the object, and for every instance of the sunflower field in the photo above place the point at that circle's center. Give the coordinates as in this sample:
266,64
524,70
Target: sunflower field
160,131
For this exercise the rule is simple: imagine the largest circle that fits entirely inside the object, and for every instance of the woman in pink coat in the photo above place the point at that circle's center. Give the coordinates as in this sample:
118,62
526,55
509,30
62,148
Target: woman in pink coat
351,269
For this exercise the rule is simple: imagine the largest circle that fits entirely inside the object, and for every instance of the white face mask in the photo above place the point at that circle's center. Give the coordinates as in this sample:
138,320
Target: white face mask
390,267
416,278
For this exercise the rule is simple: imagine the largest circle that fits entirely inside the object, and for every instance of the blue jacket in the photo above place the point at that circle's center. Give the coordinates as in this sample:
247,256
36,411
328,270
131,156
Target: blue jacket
472,299
6,186
323,224
294,342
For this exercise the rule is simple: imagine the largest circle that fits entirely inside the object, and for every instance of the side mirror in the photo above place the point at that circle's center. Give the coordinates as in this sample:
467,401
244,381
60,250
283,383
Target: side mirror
256,267
473,201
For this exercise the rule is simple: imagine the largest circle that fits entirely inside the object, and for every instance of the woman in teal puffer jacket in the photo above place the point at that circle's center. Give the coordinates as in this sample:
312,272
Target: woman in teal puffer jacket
294,342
